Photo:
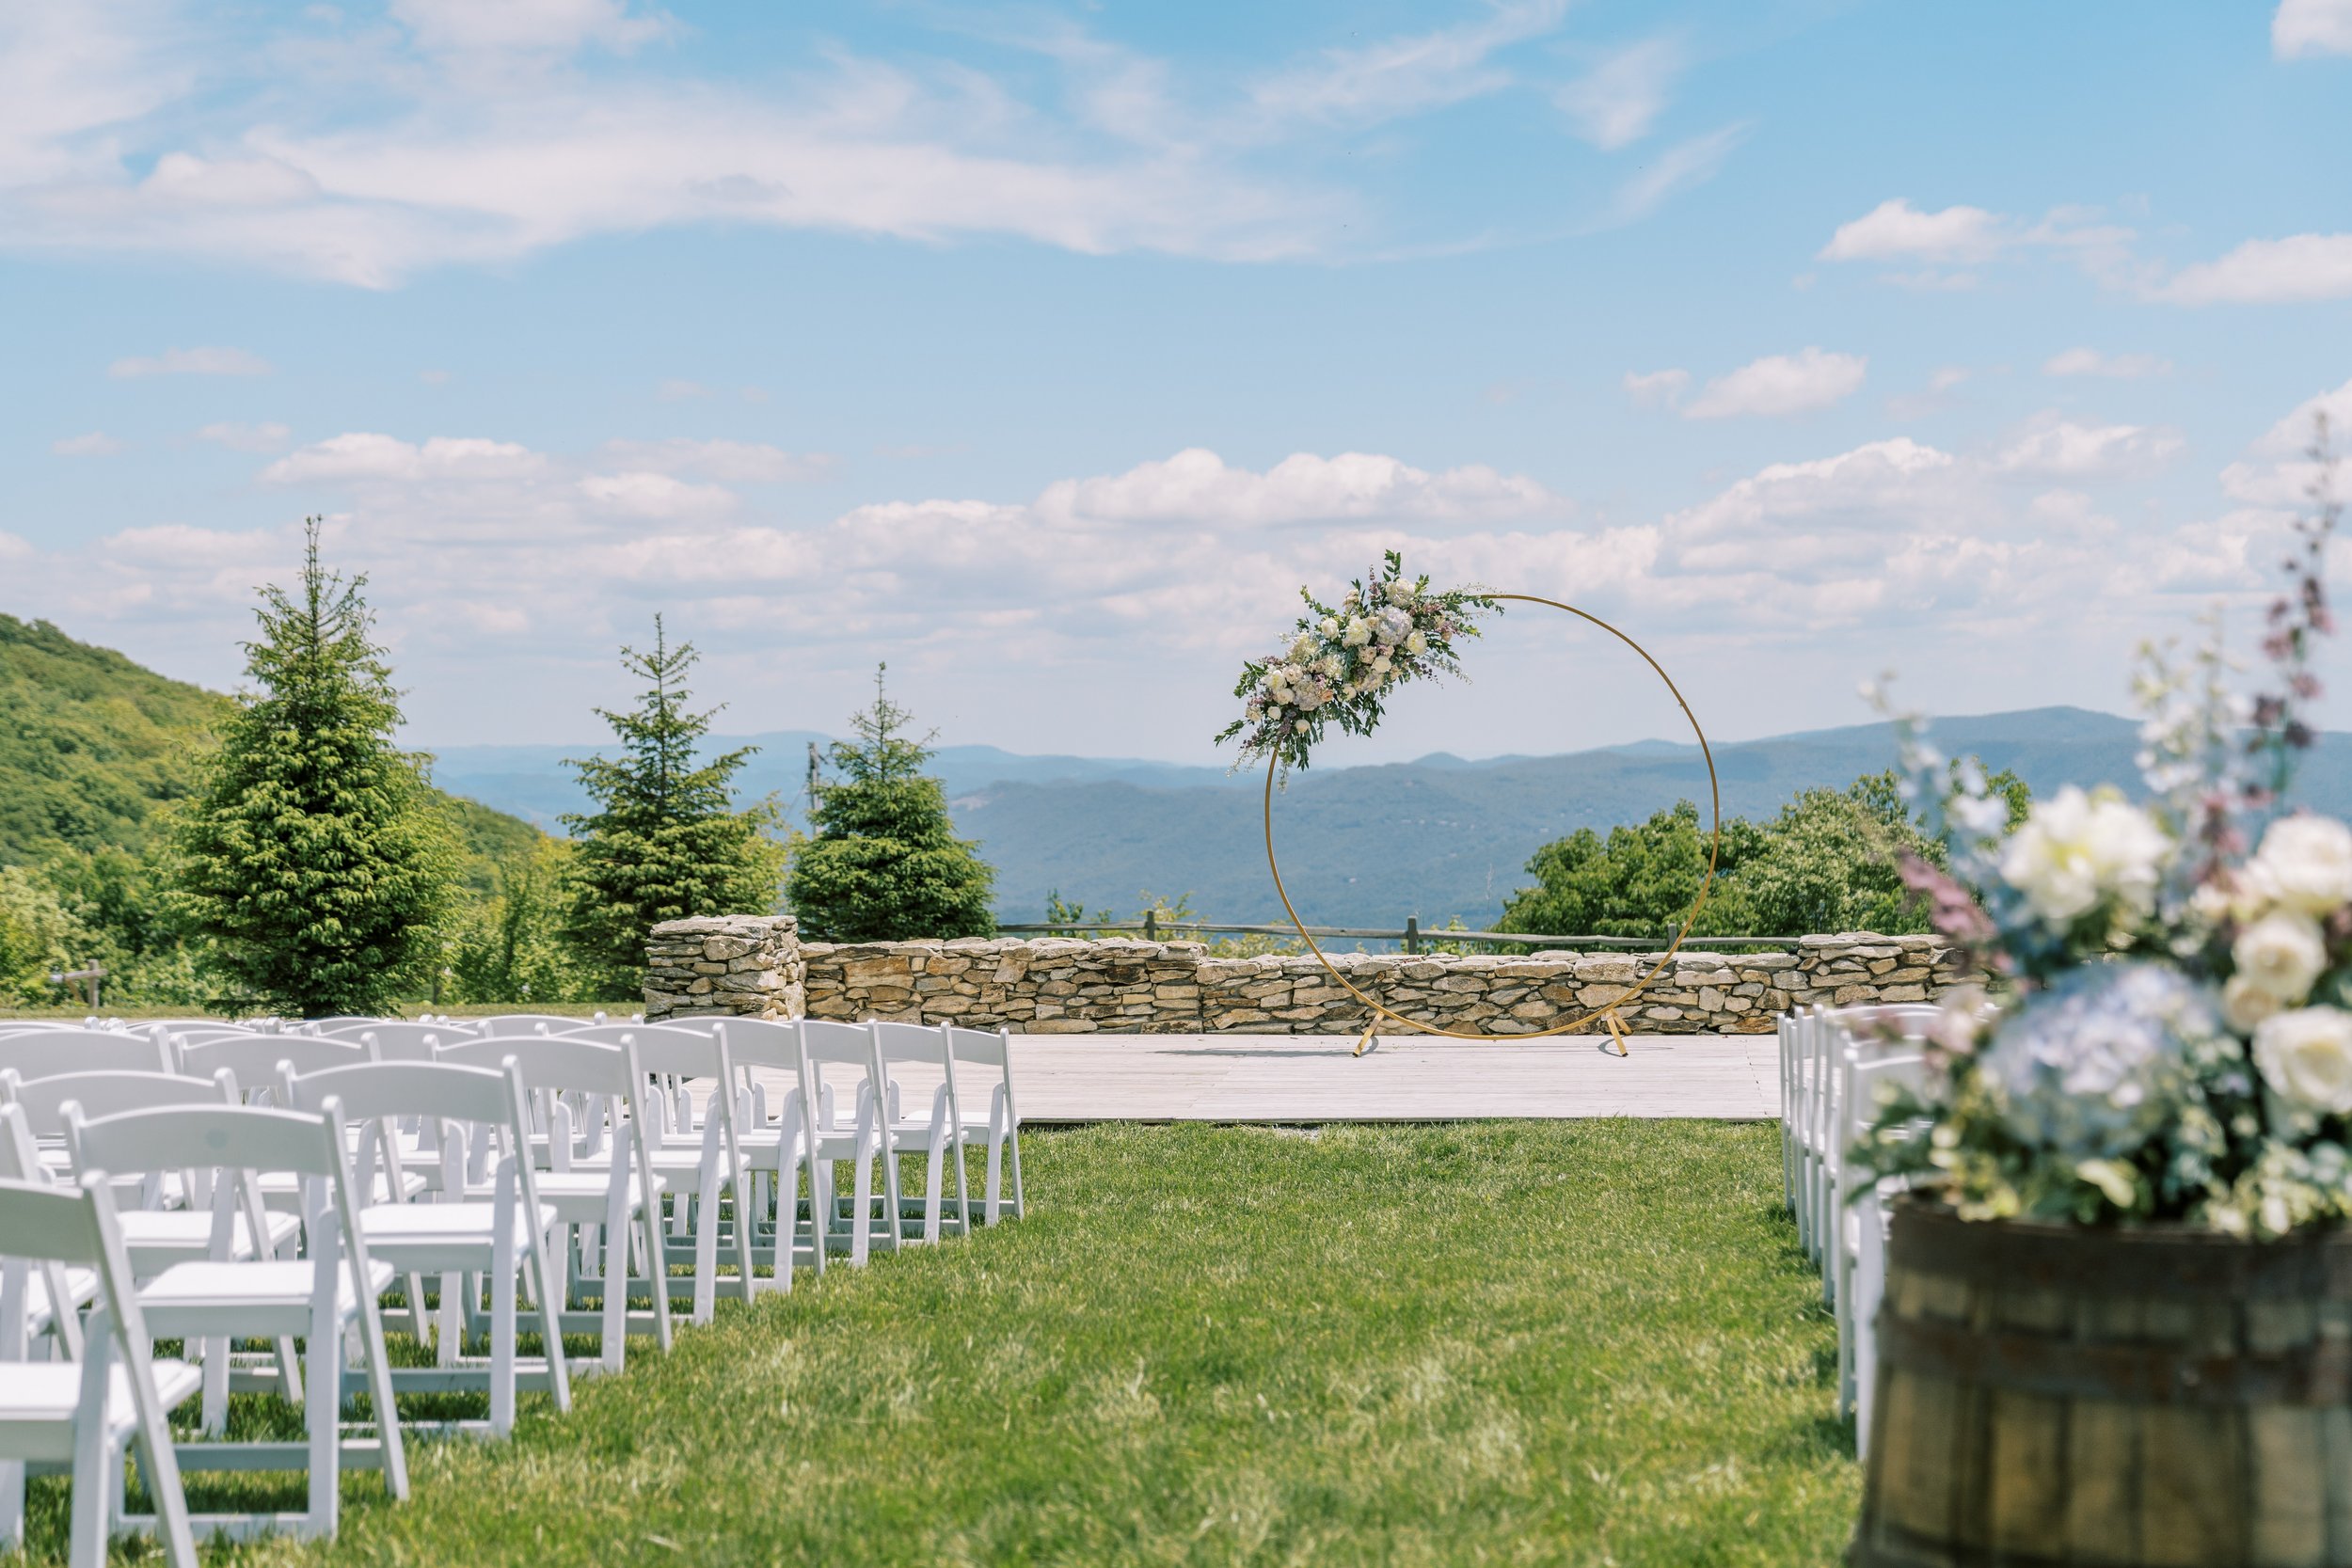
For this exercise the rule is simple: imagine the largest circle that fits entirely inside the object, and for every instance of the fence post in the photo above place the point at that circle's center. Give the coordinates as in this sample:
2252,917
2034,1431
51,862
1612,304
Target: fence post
1412,933
1151,925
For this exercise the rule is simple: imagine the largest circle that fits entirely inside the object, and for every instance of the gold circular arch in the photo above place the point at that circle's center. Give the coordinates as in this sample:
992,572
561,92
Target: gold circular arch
1607,1014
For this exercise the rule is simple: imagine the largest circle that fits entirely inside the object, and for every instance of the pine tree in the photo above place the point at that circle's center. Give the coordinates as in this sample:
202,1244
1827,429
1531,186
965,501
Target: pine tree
313,856
665,842
884,864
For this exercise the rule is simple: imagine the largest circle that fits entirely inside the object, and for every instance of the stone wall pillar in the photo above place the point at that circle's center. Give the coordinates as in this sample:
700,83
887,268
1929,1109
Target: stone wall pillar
742,965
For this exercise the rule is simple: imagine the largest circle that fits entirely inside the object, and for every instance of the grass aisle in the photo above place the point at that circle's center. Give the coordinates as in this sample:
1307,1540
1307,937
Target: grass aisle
1586,1342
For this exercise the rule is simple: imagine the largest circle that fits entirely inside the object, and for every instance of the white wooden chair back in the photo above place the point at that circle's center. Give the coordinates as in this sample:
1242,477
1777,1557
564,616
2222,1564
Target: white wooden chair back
992,1049
258,1061
530,1023
51,1052
400,1043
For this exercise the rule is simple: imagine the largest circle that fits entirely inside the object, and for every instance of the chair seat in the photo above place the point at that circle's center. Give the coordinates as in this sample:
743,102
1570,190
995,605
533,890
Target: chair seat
157,1241
576,1197
258,1299
39,1400
428,1236
81,1289
282,1191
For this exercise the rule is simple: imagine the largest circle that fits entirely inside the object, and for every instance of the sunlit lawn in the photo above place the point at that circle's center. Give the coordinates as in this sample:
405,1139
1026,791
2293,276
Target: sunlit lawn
1491,1342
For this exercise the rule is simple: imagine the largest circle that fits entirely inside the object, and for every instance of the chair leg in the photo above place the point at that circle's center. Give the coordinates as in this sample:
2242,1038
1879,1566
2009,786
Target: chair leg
996,1173
215,1417
502,1338
1012,1139
706,1248
11,1504
87,1545
322,1413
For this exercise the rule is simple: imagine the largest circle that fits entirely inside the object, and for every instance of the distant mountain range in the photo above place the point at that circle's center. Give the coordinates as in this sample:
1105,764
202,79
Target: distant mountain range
1363,845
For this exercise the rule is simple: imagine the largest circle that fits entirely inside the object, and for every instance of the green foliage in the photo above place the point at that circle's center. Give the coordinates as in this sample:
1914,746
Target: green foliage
91,745
883,862
510,947
37,936
665,842
314,859
1826,862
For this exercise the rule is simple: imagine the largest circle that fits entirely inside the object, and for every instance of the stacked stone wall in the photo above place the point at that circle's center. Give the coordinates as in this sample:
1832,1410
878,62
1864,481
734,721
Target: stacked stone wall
1124,987
737,964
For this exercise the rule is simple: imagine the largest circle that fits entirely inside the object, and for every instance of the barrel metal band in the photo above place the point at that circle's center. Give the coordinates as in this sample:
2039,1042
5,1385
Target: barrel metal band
2137,1263
2314,1375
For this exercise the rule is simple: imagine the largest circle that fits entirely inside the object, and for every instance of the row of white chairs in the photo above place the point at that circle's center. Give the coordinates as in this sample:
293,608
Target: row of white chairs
216,1185
1838,1067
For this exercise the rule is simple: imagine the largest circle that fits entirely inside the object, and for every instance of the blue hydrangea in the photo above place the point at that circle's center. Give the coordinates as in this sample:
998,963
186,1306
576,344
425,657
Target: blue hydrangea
2099,1062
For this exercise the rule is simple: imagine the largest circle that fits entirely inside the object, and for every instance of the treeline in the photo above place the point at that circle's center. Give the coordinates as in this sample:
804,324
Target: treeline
1826,862
296,860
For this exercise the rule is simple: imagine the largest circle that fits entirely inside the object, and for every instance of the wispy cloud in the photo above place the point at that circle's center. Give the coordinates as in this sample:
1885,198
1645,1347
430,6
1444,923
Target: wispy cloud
2310,27
246,437
1406,74
2114,367
2299,269
190,361
1679,169
1781,384
1655,388
96,444
1615,103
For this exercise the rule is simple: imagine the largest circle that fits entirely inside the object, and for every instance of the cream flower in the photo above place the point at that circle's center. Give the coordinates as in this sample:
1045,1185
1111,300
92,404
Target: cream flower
2306,1055
2075,849
1400,593
1303,649
1417,644
1328,626
2246,1004
2305,863
2282,953
1301,726
1359,632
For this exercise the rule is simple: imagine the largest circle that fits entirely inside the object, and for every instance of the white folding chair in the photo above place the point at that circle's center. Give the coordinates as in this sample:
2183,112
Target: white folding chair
699,1158
616,1198
55,1293
1875,1067
856,1137
400,1041
1001,1131
57,1412
939,1136
457,1234
778,1134
320,1298
47,1053
532,1023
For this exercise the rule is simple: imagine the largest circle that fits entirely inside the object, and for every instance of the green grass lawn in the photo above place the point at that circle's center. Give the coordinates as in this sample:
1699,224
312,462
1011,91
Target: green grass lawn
1586,1342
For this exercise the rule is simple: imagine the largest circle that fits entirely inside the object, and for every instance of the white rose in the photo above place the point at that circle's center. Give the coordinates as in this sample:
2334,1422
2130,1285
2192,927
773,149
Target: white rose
1359,633
2281,953
1327,665
1400,593
1380,663
1327,626
2245,1005
2074,849
2305,861
1417,644
1301,726
2306,1055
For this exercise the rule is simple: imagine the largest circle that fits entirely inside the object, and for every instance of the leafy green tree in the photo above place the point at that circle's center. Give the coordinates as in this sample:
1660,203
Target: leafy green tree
510,947
119,899
884,864
665,842
1639,882
313,857
37,936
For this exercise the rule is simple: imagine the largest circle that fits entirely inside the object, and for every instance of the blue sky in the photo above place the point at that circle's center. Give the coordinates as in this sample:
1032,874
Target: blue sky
1044,351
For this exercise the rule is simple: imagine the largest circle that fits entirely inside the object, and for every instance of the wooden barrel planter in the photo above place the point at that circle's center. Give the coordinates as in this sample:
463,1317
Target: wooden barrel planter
2056,1395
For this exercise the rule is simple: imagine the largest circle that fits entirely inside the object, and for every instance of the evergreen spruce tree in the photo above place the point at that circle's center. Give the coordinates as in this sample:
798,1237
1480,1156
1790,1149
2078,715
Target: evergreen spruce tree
884,864
313,856
665,841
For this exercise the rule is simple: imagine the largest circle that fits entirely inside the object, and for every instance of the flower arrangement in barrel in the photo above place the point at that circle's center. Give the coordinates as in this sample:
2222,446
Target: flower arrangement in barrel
1344,659
2162,1027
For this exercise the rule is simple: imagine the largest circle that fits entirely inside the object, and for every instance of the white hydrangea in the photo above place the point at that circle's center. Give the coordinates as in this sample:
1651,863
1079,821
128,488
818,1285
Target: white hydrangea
1303,649
1392,625
2095,1065
2075,849
1400,593
2306,1057
2282,953
2305,863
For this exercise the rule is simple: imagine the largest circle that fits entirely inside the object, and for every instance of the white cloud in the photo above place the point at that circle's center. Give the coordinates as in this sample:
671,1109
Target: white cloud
1781,384
1196,486
532,26
680,390
1402,75
1615,103
2118,367
2296,270
1679,169
365,456
2310,27
657,496
1655,388
725,460
2277,470
190,361
246,437
1896,230
1947,377
2063,449
96,444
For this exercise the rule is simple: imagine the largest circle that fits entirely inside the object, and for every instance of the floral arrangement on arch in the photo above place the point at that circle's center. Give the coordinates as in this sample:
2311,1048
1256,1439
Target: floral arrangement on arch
2162,1026
1344,659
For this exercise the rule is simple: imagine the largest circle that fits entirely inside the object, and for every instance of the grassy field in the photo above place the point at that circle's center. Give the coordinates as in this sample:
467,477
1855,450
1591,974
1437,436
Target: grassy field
1580,1342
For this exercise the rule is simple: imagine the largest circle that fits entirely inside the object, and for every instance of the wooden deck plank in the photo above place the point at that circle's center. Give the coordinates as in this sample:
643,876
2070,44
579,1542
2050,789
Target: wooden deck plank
1293,1078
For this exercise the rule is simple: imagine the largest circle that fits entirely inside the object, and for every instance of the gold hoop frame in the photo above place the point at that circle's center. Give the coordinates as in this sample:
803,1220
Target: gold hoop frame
1607,1014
